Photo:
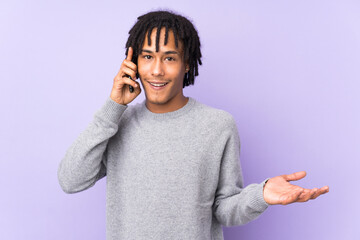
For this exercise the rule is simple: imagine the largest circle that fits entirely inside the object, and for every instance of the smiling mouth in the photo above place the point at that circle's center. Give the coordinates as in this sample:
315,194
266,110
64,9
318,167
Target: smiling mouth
157,84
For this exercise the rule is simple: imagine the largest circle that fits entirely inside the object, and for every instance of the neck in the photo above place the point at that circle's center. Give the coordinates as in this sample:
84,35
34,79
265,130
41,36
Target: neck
170,106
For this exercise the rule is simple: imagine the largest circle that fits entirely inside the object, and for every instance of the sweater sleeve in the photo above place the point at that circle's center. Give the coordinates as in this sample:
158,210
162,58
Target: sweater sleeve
85,161
235,205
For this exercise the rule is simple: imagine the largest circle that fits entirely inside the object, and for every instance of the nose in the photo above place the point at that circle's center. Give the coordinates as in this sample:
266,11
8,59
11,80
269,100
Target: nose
157,68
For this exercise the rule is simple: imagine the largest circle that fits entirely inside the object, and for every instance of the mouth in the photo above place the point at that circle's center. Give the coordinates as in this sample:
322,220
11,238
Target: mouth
157,85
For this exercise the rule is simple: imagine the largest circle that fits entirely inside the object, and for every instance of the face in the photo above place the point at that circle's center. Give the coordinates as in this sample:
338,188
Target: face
162,73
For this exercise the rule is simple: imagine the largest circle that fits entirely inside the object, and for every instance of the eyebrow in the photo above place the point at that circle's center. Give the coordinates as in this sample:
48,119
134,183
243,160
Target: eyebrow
167,52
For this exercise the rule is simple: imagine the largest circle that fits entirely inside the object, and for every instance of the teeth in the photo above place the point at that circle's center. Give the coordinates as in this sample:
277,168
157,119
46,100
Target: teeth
158,85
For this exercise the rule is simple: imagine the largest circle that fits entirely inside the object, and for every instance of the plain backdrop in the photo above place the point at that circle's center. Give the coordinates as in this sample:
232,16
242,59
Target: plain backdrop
288,71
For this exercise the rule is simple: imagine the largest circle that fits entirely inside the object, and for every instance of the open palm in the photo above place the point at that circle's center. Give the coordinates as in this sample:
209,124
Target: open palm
278,190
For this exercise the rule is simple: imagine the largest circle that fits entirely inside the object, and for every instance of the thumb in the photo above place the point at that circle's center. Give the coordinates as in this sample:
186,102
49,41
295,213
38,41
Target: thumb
294,176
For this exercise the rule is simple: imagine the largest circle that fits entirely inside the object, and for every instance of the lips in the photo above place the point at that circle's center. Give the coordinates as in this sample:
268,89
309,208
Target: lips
157,85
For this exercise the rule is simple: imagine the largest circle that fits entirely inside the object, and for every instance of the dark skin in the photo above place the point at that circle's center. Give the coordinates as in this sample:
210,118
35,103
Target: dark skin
168,67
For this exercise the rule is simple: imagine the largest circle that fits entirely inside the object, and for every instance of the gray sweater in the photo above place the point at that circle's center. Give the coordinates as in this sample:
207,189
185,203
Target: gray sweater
172,175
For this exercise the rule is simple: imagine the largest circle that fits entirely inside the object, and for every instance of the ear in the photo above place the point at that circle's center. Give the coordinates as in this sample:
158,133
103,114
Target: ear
187,68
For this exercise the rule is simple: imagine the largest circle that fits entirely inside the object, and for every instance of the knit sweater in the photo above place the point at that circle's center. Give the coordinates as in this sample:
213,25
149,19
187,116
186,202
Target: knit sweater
173,175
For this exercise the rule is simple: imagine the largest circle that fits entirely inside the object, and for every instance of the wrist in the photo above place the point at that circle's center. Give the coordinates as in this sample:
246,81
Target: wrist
265,183
117,100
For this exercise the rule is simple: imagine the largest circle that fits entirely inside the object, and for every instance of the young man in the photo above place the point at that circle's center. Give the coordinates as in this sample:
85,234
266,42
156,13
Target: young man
171,163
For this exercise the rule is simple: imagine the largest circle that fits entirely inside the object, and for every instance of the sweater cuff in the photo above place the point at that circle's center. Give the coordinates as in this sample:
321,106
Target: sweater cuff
111,111
258,201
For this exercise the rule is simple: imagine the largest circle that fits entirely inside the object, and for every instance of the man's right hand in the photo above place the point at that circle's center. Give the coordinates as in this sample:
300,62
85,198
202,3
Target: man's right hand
120,92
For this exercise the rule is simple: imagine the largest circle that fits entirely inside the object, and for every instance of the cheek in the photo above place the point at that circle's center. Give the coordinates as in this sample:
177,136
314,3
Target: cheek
142,68
142,72
176,71
180,76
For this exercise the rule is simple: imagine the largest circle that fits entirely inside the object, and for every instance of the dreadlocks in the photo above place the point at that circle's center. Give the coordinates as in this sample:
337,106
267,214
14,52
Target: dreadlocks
183,30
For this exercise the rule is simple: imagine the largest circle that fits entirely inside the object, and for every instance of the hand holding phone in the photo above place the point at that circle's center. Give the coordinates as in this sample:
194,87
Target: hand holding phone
131,89
126,76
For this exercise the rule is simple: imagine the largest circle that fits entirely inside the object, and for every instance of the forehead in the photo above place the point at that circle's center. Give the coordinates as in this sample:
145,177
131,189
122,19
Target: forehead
165,38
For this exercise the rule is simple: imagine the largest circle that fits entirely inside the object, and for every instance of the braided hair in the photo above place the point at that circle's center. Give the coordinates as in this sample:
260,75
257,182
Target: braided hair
183,30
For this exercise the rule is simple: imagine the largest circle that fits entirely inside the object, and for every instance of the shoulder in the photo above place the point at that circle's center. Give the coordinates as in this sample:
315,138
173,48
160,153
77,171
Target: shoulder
131,113
212,115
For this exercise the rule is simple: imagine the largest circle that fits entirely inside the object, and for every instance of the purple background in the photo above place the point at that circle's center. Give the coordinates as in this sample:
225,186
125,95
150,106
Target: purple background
288,71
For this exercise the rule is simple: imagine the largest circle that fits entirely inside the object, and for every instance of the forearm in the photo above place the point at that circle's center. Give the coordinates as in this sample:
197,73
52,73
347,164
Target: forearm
242,207
83,163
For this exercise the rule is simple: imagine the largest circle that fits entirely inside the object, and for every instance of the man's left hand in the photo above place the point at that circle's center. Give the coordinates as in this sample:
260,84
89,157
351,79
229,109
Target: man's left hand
278,190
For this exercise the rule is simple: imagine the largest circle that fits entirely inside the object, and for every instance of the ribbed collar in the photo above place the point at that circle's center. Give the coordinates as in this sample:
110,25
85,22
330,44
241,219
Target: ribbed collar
163,116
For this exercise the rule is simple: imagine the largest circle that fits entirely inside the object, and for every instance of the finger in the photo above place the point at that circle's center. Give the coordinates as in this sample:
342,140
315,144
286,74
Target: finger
130,64
323,190
294,176
128,72
130,53
127,81
292,197
309,194
136,90
317,193
305,193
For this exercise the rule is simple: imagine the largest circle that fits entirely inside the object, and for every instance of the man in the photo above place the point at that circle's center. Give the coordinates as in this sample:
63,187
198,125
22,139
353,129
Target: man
172,163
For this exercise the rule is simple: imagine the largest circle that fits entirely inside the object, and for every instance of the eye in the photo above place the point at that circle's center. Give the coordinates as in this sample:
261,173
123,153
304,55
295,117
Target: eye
170,59
147,56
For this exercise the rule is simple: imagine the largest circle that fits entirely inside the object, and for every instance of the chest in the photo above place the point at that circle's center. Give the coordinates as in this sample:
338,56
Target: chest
169,160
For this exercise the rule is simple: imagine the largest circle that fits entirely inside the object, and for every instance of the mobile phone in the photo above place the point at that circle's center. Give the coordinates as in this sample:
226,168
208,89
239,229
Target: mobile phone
131,89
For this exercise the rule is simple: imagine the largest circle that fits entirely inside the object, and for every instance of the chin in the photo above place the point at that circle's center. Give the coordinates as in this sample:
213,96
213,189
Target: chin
157,101
154,99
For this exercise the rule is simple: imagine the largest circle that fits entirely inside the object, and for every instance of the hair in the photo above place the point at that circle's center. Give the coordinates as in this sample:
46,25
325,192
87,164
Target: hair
183,30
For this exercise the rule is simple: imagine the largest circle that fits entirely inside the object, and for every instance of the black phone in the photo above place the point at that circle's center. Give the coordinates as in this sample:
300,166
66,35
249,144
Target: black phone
131,89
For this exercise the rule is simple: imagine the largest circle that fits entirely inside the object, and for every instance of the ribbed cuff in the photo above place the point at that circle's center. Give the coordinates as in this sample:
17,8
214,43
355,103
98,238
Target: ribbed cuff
258,201
111,111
